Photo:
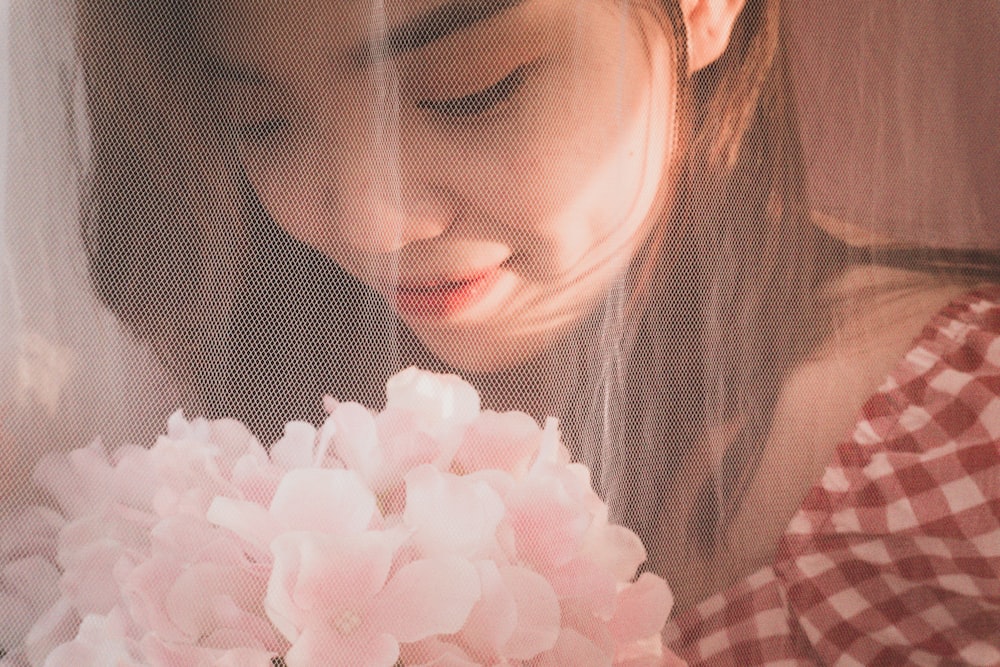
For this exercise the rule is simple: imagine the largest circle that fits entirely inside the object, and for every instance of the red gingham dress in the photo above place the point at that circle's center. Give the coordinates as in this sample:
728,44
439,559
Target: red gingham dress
894,556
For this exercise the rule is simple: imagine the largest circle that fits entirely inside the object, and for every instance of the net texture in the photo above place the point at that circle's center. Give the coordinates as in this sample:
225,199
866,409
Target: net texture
702,265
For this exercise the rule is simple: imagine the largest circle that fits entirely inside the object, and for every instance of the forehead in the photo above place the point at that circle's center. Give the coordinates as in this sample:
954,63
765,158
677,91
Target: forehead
314,40
297,23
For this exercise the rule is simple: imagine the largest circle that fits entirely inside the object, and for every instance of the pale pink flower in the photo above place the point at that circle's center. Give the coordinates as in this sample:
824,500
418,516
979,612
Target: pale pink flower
28,589
100,640
517,618
86,479
94,549
641,611
160,654
573,648
306,500
381,448
442,407
350,432
338,601
296,448
432,532
433,652
508,442
444,403
449,514
29,575
549,517
198,586
193,464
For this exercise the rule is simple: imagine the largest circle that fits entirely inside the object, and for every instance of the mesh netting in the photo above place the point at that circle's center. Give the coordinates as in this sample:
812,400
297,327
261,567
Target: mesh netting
699,234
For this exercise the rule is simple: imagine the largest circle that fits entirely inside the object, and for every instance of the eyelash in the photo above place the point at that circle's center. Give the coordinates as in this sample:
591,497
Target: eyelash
474,104
480,102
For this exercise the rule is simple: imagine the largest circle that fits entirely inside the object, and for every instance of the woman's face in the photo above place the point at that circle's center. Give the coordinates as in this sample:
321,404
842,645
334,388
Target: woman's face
490,168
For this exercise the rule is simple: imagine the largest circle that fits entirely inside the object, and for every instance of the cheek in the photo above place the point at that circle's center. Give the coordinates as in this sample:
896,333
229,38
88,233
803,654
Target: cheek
292,198
586,176
319,184
297,201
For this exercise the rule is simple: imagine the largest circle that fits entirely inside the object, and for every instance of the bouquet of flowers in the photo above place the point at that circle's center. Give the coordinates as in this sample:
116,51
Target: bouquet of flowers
431,533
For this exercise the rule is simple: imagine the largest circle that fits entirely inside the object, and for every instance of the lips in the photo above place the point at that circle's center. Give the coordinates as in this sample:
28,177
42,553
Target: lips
442,299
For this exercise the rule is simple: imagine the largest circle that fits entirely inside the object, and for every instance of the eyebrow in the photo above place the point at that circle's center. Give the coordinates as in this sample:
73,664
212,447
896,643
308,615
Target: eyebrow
444,21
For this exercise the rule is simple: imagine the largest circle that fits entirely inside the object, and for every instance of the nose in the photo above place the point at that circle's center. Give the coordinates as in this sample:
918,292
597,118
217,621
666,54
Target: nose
387,219
388,198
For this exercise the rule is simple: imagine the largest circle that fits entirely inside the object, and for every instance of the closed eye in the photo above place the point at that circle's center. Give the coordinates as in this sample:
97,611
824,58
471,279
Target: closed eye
481,101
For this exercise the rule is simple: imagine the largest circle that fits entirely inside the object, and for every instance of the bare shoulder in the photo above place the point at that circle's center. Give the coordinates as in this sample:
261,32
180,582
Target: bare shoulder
877,314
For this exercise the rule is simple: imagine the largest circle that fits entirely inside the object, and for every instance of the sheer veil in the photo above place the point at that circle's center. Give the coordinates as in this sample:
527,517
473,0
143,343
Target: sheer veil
70,371
896,110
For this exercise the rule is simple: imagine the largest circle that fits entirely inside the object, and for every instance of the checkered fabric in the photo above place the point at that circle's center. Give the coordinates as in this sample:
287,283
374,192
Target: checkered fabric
894,555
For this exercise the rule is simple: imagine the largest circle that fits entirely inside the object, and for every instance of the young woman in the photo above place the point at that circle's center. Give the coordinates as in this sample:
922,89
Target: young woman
590,209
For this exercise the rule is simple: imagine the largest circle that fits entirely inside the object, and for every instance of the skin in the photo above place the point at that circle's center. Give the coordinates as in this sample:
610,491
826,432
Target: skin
878,312
551,185
546,178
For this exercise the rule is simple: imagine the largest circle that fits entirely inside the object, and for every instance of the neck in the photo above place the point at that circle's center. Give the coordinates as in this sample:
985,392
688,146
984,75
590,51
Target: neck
541,387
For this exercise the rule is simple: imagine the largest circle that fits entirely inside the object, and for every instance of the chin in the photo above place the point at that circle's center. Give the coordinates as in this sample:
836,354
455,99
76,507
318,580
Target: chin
478,353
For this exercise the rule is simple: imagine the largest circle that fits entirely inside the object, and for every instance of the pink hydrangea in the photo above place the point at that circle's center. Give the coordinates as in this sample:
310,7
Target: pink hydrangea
432,533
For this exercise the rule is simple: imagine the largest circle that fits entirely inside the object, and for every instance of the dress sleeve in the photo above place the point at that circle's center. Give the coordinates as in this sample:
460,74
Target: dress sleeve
894,556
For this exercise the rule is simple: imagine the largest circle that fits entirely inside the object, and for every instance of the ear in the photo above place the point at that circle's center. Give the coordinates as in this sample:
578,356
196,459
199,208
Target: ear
709,24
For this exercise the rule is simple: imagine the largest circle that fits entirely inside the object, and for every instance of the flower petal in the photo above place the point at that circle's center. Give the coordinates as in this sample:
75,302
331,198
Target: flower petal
573,648
491,621
247,520
548,522
56,626
505,441
433,652
317,575
318,646
442,401
318,499
233,439
404,446
101,640
191,601
643,608
615,548
538,613
354,439
428,597
450,515
295,448
28,587
245,657
145,589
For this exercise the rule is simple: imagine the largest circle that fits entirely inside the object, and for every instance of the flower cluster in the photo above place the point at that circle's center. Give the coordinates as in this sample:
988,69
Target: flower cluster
431,533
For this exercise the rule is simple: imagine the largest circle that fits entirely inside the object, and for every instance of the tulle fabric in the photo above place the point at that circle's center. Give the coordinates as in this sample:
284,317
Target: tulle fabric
896,109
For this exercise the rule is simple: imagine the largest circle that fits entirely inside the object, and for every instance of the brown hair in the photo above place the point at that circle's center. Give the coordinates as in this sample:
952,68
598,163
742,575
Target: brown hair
140,226
727,306
716,306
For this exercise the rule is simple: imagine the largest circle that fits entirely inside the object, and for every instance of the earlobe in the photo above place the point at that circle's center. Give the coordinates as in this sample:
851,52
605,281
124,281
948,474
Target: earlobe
709,24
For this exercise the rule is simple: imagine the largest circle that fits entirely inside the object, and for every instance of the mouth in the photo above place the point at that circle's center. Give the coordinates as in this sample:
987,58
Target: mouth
444,298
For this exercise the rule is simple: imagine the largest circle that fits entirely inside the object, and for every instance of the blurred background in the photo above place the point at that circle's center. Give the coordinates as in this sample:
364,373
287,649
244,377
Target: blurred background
899,107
